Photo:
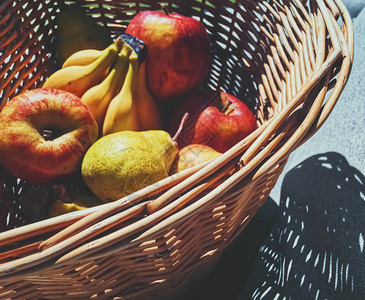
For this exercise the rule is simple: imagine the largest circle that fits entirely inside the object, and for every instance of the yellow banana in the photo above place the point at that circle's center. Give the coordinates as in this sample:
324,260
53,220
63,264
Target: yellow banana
78,79
149,116
98,97
86,200
83,57
88,56
122,111
59,207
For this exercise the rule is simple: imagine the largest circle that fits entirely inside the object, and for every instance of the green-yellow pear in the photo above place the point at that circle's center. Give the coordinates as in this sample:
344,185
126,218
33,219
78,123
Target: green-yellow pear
121,163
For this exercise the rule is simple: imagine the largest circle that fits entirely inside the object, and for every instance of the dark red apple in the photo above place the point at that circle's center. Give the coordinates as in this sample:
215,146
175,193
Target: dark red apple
222,127
45,134
179,54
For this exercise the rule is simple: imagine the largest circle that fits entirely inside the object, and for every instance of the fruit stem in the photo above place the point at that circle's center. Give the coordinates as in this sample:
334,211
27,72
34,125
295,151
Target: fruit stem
181,126
226,106
165,9
119,43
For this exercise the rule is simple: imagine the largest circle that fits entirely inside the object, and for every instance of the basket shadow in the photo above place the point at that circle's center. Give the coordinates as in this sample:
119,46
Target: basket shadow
316,249
233,268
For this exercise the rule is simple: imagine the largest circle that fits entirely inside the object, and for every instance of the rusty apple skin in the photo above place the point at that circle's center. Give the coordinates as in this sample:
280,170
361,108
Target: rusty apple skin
222,130
179,54
24,151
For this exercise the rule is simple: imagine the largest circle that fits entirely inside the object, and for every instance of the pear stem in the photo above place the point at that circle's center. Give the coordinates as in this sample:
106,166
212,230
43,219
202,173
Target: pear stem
181,126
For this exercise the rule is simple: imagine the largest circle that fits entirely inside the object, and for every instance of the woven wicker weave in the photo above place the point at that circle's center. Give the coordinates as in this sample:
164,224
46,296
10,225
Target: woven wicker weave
289,60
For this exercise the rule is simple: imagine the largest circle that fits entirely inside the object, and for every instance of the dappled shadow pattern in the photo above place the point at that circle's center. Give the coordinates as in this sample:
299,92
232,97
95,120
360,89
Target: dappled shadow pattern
316,250
225,280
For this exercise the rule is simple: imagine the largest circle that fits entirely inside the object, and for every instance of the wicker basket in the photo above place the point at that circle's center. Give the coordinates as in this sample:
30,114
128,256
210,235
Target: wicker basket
290,61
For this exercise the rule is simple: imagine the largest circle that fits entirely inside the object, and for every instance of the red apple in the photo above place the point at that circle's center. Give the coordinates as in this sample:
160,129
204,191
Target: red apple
178,56
223,127
45,134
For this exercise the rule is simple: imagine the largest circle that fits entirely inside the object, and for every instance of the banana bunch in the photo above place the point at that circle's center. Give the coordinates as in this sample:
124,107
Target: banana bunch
133,108
111,82
77,78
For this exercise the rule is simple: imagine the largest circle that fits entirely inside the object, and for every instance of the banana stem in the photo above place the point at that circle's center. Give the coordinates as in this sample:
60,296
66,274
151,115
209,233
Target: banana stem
119,42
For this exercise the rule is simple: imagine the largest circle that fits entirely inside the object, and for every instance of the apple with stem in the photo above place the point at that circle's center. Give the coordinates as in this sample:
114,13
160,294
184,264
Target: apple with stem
45,134
217,119
179,53
221,127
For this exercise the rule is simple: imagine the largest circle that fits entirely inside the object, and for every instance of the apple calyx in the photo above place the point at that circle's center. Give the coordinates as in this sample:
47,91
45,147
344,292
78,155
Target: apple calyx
47,134
50,134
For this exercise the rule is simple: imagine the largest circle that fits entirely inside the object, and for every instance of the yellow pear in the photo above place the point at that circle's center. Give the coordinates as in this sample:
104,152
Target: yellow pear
123,162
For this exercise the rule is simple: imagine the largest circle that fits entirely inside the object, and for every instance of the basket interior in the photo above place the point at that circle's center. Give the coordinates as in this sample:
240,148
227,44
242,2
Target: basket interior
245,36
263,53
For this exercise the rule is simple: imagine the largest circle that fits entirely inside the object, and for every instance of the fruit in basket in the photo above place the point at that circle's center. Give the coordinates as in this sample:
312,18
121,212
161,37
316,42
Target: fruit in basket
58,207
66,202
78,79
87,56
84,57
193,103
98,97
149,114
223,124
121,100
191,156
122,110
76,31
133,108
179,54
45,134
121,163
